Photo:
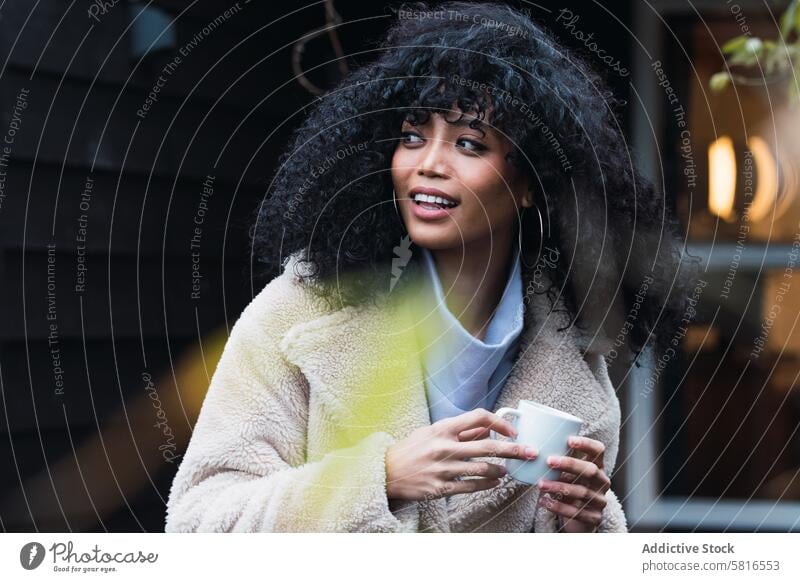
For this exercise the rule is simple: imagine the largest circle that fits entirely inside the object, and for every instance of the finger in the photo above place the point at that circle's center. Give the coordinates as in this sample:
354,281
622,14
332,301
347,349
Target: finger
469,486
574,494
577,454
592,448
583,480
573,503
583,469
480,417
568,477
493,448
474,434
571,512
463,469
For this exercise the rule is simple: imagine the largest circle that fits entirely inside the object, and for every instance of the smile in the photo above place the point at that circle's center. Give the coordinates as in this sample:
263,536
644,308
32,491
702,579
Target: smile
433,202
429,207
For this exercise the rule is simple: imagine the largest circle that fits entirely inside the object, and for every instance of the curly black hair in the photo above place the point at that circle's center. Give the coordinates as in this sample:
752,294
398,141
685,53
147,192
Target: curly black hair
332,199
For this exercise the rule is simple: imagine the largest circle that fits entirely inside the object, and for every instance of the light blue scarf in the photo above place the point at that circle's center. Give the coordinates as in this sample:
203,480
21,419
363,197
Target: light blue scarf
462,372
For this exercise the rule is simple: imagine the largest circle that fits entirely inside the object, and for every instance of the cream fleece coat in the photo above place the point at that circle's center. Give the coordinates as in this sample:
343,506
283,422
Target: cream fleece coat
305,401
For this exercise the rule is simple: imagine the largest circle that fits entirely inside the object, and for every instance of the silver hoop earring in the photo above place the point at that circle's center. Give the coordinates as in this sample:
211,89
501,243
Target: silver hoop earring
541,239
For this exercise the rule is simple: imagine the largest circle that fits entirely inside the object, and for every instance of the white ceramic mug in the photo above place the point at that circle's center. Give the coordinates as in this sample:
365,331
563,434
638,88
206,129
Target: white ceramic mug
545,429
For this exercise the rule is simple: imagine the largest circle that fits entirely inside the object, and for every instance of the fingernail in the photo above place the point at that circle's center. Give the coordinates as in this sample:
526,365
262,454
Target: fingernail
552,461
530,452
540,483
573,442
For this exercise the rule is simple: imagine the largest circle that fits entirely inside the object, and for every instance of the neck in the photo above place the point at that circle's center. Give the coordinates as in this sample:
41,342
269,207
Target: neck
473,280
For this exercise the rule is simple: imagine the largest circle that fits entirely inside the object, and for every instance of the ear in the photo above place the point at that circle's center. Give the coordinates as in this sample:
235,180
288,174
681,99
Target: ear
523,188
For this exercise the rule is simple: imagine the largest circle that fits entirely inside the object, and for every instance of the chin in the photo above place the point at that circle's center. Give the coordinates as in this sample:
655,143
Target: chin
433,241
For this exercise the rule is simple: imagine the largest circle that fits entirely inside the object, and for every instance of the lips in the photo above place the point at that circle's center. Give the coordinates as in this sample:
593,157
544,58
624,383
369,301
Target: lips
425,211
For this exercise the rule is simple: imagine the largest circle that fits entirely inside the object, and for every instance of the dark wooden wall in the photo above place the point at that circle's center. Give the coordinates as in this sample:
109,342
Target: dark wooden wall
84,86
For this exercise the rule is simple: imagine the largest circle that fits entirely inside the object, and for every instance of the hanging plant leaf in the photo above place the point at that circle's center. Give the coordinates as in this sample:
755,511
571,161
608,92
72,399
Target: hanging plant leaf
789,19
734,44
797,17
719,81
743,57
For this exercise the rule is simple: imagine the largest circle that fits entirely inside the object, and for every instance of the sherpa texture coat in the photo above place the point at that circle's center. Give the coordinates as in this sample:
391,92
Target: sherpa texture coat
305,401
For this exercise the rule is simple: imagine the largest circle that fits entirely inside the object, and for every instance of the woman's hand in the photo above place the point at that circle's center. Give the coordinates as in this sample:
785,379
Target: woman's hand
427,463
578,497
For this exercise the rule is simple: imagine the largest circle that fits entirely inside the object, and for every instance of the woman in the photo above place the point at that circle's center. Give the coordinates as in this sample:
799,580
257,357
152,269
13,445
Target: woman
456,227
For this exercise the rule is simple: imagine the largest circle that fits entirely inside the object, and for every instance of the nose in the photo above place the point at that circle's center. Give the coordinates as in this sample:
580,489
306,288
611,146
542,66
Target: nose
433,162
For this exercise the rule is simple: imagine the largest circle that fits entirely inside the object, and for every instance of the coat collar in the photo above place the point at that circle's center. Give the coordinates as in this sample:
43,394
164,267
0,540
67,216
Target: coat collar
362,363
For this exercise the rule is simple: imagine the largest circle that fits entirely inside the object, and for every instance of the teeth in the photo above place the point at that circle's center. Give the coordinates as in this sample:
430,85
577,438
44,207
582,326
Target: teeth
432,199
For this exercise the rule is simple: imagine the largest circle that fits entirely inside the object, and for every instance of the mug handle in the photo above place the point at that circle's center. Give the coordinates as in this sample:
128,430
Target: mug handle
512,411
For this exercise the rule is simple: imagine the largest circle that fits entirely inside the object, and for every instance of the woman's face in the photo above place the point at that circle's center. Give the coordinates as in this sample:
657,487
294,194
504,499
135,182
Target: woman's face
468,167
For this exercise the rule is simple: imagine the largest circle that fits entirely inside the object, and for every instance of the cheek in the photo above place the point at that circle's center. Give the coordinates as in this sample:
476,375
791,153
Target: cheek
493,212
485,175
486,185
402,164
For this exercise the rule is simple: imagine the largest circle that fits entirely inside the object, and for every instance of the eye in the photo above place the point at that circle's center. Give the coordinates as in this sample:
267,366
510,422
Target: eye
411,137
470,144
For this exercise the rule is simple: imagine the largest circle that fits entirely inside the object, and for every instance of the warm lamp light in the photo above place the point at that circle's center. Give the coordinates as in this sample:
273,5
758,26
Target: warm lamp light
722,178
767,190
